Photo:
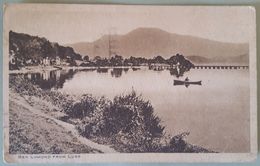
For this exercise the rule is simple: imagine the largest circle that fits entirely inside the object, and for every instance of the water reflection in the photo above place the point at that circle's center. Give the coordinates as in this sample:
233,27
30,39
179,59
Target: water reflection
178,72
116,72
126,70
174,71
102,70
50,79
56,79
90,69
135,68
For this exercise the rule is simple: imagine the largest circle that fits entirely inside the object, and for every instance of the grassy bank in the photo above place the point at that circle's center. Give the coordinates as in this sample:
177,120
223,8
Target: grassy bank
30,132
127,122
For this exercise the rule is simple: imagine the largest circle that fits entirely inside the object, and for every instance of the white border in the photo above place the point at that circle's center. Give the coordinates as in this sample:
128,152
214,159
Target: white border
139,157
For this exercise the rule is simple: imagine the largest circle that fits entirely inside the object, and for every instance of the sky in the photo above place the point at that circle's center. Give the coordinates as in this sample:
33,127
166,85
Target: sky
68,24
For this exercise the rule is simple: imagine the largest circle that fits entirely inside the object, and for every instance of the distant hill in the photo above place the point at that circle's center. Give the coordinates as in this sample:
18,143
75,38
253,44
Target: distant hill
150,42
198,59
24,48
238,60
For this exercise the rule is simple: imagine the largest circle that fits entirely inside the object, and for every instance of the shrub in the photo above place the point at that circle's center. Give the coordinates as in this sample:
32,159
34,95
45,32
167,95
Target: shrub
82,108
127,120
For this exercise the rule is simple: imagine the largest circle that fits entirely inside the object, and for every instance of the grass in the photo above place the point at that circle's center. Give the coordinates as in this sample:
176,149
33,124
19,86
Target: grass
30,133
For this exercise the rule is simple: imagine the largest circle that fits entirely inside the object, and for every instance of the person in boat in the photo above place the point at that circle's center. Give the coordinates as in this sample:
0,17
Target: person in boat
186,79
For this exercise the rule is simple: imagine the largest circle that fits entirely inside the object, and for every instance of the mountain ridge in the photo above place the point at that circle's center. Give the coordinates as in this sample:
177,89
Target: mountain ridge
151,42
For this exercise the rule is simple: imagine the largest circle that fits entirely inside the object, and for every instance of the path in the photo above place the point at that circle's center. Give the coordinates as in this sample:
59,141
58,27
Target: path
69,127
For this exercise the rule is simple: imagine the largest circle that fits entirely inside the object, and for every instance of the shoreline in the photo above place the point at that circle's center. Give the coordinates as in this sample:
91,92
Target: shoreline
38,69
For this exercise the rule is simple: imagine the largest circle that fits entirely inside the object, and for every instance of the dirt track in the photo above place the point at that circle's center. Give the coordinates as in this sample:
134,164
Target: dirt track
32,131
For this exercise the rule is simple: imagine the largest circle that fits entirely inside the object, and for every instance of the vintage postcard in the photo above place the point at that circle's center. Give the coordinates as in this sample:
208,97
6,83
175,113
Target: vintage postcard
122,83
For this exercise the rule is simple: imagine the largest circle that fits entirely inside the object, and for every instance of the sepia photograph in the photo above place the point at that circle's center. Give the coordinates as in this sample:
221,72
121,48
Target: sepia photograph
122,83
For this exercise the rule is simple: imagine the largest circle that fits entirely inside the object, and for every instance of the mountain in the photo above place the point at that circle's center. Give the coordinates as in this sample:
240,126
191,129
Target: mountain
235,60
25,50
150,42
198,59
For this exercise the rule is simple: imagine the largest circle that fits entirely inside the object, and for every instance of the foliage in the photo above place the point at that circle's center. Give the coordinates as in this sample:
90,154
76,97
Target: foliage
30,50
127,120
82,108
86,58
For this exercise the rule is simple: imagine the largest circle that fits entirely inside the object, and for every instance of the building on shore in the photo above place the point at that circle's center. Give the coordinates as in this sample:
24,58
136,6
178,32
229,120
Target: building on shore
12,59
46,61
57,61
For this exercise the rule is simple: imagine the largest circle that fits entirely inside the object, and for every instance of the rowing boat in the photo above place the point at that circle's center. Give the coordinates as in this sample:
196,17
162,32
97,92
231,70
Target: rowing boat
180,82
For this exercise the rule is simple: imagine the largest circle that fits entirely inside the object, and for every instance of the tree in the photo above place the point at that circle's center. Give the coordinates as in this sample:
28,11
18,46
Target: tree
172,60
86,58
116,60
158,59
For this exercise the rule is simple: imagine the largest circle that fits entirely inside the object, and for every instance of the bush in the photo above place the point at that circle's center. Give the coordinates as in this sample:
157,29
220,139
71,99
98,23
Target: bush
25,87
82,108
127,120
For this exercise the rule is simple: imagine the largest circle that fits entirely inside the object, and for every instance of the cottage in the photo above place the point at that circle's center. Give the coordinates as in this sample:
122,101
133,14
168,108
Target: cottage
12,58
58,61
29,62
46,61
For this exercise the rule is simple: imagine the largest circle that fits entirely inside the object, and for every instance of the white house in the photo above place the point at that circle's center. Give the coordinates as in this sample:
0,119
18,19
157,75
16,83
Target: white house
46,61
12,58
58,61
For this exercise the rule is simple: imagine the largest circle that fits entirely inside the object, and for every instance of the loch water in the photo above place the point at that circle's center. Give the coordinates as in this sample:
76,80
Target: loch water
215,113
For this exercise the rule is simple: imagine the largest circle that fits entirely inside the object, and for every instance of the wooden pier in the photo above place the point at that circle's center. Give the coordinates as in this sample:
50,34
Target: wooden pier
220,67
165,66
